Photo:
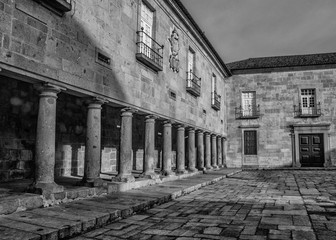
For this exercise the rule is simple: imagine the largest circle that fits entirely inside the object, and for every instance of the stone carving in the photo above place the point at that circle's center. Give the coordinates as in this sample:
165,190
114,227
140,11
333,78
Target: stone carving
174,51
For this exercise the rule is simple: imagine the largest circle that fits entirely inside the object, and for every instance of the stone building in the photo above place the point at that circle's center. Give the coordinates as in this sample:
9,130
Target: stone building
281,112
107,87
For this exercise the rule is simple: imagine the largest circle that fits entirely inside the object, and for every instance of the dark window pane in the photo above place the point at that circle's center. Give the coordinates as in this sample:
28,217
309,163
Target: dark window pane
250,142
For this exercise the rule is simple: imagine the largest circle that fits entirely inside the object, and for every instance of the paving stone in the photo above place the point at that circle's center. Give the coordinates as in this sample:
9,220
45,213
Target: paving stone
248,205
303,235
14,234
212,230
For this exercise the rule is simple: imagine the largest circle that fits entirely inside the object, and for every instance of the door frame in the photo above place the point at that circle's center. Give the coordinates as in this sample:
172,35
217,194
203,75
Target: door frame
322,128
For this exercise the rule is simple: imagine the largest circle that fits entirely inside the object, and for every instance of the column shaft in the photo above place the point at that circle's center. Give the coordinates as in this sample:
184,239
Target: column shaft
93,145
219,152
180,155
207,159
45,142
125,158
224,151
214,151
191,151
167,149
200,151
148,167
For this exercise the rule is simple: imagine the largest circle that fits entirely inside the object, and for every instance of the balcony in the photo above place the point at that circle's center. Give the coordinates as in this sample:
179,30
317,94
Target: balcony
193,84
307,112
215,100
149,52
57,6
247,112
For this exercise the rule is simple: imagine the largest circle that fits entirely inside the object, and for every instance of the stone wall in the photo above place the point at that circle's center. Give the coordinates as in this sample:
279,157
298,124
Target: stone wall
18,117
277,93
64,49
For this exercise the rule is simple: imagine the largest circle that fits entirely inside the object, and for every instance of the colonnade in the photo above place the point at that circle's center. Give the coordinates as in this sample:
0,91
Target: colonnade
209,153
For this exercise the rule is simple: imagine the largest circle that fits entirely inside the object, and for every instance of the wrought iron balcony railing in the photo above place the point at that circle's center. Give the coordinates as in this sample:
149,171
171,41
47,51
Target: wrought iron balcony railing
305,112
247,112
149,52
215,100
193,84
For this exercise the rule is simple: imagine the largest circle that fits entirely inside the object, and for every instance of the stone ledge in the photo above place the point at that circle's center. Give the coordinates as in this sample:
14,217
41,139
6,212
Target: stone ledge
143,182
77,217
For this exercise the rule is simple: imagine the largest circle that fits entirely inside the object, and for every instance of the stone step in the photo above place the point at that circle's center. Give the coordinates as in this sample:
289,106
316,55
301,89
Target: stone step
76,217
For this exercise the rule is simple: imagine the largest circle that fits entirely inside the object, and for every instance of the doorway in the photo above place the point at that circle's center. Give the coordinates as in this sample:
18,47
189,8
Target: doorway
311,150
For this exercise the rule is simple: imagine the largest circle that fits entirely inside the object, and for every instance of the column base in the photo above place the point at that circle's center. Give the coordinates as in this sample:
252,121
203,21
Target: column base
123,178
208,167
215,167
45,188
201,169
149,175
192,170
98,182
167,173
181,171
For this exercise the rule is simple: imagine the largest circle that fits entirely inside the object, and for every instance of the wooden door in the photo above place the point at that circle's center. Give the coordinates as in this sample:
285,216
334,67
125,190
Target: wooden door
311,150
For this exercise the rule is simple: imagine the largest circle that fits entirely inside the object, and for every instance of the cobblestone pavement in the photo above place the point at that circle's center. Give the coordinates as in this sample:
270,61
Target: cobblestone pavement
248,205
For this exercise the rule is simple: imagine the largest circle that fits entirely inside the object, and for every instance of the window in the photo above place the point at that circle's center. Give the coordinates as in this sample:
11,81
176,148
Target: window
146,24
308,101
215,98
191,61
213,83
249,104
250,142
149,52
193,82
58,7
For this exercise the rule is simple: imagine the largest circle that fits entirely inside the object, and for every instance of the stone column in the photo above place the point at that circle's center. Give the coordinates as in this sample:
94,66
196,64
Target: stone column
167,149
191,150
148,167
125,156
200,151
214,151
93,144
180,155
224,151
207,159
44,182
219,152
294,164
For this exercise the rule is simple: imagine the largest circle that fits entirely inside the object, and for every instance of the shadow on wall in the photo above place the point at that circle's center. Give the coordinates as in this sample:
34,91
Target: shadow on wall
65,50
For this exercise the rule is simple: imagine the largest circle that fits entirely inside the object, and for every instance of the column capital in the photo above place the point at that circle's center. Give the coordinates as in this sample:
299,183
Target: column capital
207,133
48,89
178,125
191,129
199,131
127,112
168,121
148,117
96,100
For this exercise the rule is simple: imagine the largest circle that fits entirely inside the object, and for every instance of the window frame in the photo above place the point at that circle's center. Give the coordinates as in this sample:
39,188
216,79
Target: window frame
308,97
252,111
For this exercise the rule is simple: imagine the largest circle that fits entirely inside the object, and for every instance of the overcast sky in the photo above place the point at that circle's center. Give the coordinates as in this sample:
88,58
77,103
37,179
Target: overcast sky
240,29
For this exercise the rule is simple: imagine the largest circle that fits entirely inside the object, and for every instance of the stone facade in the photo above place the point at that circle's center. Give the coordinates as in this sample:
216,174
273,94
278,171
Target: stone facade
278,126
63,71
